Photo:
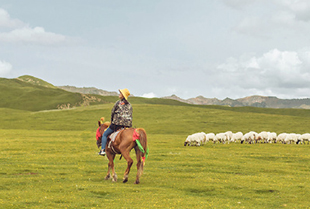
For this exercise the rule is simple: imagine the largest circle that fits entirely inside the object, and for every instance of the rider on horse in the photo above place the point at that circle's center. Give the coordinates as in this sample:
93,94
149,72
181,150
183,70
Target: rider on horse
121,117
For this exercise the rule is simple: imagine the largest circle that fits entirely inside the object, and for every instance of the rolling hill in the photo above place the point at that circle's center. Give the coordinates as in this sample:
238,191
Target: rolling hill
88,90
35,81
33,94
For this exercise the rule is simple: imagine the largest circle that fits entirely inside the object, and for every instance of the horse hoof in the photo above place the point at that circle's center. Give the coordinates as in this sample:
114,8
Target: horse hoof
125,180
137,182
107,177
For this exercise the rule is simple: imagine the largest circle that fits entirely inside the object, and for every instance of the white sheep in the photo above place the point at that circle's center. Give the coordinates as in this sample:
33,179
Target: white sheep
210,137
229,135
220,137
255,135
249,137
281,137
305,137
262,137
198,139
272,137
195,139
291,138
236,137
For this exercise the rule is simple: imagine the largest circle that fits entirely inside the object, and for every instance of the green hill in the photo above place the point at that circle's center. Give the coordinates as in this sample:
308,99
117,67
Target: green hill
26,93
35,81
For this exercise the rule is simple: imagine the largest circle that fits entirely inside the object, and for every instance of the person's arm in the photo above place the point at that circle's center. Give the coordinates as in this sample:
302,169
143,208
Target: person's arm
130,115
113,110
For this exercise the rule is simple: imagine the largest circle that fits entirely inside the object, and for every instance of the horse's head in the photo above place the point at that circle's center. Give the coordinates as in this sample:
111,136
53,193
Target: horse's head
102,127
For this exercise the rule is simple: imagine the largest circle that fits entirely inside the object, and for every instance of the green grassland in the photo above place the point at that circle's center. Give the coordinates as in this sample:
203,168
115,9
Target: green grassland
49,157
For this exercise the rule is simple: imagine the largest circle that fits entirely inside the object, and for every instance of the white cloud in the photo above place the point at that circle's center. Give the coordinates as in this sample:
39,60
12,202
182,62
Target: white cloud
275,72
238,4
287,61
299,8
32,35
23,33
5,68
149,95
282,17
7,21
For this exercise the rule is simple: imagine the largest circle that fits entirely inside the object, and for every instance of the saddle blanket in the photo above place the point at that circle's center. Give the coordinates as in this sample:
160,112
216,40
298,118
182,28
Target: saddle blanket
114,134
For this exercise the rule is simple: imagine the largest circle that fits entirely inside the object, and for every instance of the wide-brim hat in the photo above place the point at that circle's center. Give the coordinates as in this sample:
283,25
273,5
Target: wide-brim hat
125,93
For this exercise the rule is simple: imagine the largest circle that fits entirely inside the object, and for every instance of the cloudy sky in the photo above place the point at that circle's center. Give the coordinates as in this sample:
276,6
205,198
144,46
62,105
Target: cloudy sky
212,48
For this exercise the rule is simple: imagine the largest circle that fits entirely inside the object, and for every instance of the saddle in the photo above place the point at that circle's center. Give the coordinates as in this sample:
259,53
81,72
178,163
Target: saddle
112,138
113,135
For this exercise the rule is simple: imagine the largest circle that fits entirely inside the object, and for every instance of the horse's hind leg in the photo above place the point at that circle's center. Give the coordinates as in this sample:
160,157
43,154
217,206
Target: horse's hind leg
139,167
129,164
108,176
114,176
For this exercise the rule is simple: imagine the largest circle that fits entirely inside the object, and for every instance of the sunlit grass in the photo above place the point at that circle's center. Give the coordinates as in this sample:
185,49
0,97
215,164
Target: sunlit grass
60,169
49,160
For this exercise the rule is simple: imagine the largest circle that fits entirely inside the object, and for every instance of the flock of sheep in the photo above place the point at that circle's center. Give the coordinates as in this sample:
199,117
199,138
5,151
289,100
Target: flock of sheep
251,137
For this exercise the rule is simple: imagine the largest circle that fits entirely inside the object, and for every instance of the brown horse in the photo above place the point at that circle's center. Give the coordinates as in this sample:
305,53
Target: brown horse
123,144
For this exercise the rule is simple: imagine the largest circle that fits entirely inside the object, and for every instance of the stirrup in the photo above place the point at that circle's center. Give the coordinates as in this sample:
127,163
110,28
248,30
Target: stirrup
101,152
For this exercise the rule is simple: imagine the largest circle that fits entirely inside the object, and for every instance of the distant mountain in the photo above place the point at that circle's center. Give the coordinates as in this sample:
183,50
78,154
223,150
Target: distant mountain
204,101
254,101
174,97
88,90
274,102
214,101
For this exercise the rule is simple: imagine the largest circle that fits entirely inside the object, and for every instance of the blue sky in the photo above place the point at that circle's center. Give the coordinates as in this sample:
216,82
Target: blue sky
214,48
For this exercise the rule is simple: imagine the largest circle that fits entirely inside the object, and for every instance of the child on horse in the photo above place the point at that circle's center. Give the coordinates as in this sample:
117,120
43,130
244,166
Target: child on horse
121,117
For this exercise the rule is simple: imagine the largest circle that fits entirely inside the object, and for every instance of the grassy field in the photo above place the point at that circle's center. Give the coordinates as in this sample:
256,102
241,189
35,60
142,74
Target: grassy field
49,160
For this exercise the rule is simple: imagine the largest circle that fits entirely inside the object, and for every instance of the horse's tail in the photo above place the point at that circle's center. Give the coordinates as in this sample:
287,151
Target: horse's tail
142,143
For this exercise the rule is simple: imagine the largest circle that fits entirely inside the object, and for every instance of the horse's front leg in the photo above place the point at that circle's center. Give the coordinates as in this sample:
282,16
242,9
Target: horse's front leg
110,164
114,176
108,176
111,168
